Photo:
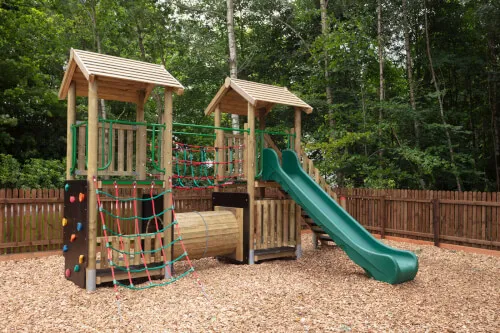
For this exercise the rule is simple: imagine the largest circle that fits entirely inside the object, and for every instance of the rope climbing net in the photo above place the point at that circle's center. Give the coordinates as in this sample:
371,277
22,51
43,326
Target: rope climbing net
206,167
123,257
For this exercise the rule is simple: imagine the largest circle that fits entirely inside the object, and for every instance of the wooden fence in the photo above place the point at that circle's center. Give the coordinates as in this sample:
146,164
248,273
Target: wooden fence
463,218
30,220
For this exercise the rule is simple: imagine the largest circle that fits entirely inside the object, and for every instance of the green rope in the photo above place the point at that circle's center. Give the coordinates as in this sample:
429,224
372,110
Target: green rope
108,245
109,195
153,268
148,234
102,209
151,285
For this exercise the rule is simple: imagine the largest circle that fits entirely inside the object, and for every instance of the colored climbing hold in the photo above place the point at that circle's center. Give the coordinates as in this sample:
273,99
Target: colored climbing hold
79,226
64,222
72,238
67,273
81,258
77,268
65,248
66,187
81,197
72,199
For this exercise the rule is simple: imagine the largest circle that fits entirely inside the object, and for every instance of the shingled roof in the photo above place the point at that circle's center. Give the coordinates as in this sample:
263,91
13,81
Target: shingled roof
234,96
119,78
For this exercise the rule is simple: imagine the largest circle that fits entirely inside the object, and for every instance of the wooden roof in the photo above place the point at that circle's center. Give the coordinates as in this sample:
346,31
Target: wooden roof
234,96
119,79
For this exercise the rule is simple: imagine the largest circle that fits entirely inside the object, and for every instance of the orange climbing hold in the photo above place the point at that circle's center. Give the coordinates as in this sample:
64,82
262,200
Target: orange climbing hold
81,197
64,222
72,238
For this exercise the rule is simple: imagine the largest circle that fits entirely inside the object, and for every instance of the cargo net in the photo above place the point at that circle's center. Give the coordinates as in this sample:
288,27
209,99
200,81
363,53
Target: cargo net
128,260
207,167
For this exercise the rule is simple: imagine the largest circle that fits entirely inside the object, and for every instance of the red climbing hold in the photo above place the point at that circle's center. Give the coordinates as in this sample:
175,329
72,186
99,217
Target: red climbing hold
68,273
72,199
81,197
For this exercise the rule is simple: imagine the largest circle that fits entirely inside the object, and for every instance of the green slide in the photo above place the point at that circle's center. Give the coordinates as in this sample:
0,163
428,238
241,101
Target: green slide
379,261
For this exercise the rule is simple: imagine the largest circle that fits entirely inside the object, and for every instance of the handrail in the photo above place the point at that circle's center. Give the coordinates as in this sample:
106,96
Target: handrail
211,127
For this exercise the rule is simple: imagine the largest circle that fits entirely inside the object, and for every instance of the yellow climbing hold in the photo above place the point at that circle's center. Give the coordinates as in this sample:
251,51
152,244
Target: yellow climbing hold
81,258
64,222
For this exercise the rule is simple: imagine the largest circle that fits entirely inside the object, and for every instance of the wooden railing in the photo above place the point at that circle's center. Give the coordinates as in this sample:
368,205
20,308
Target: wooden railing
275,223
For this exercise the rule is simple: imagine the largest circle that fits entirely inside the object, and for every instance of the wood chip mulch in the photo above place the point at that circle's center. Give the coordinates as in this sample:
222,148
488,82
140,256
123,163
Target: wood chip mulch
321,292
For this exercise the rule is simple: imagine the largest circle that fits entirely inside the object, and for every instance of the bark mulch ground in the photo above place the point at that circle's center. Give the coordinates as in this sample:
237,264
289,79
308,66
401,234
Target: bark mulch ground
322,292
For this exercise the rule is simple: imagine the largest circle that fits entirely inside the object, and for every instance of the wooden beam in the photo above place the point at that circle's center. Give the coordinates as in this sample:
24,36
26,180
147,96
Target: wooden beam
298,131
141,139
71,114
251,175
298,150
92,150
219,144
167,160
68,78
80,64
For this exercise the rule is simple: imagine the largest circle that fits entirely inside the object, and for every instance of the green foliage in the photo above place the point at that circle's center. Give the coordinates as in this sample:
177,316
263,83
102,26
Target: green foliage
365,142
34,173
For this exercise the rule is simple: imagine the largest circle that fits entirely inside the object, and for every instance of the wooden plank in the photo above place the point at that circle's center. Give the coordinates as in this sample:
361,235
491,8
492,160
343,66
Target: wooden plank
286,204
2,215
273,223
258,224
121,147
115,242
265,224
130,151
279,222
137,250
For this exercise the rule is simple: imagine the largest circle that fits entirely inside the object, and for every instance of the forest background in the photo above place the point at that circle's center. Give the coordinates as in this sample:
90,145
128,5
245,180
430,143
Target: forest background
405,93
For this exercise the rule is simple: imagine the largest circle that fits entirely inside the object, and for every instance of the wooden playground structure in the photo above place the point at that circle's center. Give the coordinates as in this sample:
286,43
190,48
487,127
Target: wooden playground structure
107,153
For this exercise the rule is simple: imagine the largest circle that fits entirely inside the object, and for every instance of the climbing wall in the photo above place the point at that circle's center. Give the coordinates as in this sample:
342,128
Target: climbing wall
75,230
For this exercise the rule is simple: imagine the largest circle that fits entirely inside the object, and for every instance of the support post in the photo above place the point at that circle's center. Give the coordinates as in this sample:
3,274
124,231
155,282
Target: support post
298,213
92,151
435,220
262,126
141,139
167,158
219,144
382,217
251,177
69,134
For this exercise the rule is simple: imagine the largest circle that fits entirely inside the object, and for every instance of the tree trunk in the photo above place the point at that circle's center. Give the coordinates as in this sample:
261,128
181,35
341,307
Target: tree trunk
440,100
233,67
381,67
493,101
325,30
409,69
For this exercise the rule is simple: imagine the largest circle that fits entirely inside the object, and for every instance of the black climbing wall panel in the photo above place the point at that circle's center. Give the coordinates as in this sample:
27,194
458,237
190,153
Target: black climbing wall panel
75,212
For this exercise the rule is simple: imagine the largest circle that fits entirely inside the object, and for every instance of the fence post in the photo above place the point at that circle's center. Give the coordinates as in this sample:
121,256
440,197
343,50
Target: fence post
435,220
382,217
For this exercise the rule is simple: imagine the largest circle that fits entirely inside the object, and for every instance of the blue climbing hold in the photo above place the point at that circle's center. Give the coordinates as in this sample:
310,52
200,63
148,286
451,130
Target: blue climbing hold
66,187
79,226
65,248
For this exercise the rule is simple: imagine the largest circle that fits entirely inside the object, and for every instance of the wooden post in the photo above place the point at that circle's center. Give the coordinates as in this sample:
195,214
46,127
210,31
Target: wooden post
167,158
262,126
69,135
219,144
141,139
298,150
245,151
251,177
382,217
92,150
435,220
